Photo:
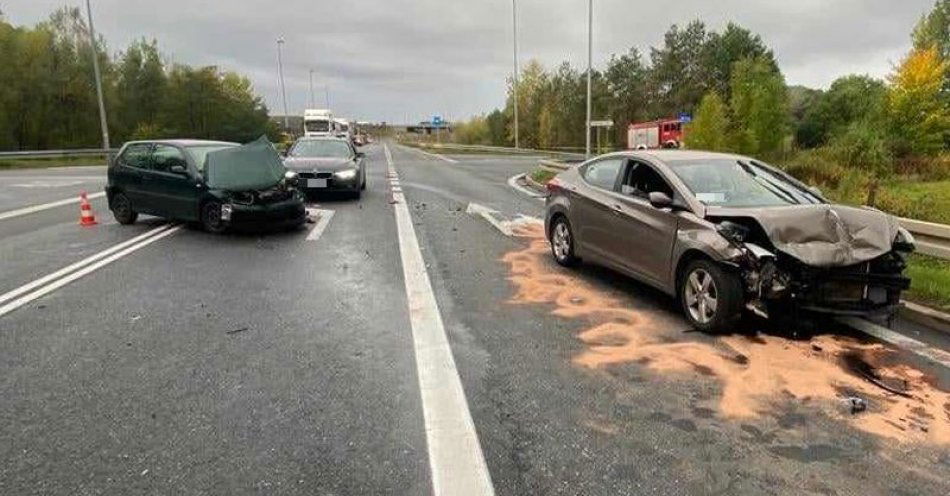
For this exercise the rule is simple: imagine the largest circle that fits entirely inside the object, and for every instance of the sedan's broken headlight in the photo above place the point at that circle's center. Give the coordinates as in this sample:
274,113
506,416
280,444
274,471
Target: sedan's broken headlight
904,241
345,174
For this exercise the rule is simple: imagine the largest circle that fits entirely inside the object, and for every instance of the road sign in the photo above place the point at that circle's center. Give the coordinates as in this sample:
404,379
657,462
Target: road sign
686,117
607,123
437,120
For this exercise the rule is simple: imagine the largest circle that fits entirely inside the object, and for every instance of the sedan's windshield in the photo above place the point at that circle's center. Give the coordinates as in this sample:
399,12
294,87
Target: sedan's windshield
736,183
199,153
321,148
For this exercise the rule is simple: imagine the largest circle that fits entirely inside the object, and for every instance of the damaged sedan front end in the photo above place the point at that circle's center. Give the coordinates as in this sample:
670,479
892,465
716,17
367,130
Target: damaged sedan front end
821,258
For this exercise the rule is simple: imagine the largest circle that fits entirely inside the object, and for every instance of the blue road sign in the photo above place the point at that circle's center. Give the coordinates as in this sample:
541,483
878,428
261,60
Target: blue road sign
685,117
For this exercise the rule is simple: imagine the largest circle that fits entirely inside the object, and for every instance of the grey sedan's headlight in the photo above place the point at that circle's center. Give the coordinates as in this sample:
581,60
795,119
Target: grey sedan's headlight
345,174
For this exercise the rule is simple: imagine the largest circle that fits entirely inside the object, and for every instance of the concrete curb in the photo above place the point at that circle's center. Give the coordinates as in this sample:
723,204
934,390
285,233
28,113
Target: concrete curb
925,316
542,189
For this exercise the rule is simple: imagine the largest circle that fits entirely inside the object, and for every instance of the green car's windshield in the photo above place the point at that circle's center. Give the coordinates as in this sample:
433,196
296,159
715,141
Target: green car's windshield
199,153
735,183
321,149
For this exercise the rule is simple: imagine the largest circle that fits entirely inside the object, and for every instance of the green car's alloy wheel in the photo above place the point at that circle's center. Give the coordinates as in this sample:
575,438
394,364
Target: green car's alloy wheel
211,217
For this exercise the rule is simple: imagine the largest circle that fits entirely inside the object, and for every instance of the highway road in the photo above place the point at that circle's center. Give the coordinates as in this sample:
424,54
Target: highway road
420,340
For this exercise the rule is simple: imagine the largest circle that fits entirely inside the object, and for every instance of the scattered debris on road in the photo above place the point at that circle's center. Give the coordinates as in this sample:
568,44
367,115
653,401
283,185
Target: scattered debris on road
235,331
855,404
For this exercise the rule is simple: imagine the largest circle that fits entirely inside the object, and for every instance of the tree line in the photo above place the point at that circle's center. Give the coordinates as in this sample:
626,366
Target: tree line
732,85
48,97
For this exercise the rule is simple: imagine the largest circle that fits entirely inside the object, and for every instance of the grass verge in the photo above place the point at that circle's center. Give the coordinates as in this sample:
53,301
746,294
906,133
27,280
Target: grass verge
542,176
930,281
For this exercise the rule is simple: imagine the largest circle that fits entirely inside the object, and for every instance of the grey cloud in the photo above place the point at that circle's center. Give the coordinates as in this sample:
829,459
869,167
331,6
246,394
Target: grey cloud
398,59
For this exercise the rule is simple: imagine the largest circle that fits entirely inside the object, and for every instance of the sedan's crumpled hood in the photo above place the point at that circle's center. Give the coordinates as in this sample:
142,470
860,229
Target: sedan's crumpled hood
304,164
823,235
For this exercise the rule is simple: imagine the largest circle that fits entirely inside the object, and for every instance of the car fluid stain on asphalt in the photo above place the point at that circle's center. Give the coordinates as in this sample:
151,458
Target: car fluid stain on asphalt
757,372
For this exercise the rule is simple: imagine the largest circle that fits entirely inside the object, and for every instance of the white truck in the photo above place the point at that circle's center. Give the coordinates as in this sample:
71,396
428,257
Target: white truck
343,128
318,122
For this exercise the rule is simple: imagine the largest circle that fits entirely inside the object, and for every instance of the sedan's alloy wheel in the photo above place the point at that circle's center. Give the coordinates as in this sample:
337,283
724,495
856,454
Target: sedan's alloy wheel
561,241
702,297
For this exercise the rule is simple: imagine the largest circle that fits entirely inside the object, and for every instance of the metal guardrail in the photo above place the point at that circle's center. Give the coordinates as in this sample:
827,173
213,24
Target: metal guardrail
57,153
931,238
502,149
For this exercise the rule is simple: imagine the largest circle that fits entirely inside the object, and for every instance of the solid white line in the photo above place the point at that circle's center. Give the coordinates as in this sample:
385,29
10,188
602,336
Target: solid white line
86,261
513,182
321,225
46,206
435,155
456,461
884,334
58,283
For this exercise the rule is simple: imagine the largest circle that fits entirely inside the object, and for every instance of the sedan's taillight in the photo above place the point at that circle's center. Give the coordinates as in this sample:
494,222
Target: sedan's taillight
554,186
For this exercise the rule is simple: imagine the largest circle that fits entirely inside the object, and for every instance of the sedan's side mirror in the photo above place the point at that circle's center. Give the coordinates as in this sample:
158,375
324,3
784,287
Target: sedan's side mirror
660,200
178,169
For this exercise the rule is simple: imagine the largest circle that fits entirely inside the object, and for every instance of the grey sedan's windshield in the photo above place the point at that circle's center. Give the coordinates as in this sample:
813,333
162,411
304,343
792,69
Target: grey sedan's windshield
736,183
321,148
200,153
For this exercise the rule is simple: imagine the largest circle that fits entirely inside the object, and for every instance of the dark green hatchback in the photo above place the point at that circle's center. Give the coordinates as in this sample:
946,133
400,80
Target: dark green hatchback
216,183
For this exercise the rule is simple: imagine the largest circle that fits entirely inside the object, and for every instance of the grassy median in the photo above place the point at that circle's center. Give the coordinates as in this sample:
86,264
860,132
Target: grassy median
930,281
42,163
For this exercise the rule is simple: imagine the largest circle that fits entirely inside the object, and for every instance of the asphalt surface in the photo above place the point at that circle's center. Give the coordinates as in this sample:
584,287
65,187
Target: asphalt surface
274,364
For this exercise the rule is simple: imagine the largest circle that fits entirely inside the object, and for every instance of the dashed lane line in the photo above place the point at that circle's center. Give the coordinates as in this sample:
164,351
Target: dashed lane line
456,461
323,220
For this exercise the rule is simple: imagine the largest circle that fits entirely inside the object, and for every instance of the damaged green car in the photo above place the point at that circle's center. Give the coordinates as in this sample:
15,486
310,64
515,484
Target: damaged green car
218,184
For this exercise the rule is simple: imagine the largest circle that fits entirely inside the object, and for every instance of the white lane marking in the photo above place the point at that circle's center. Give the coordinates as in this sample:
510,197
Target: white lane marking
58,283
456,461
46,206
513,182
46,184
489,214
86,261
507,227
884,334
434,155
323,220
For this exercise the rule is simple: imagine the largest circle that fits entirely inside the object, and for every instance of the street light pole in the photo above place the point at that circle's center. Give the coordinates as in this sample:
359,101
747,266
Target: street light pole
514,29
280,75
590,42
313,101
95,67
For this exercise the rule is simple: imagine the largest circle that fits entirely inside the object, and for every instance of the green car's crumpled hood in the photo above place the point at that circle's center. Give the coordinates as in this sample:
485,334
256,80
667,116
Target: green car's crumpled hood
253,166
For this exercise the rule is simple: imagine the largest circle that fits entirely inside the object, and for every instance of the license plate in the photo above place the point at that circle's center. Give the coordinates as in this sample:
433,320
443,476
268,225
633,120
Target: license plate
316,183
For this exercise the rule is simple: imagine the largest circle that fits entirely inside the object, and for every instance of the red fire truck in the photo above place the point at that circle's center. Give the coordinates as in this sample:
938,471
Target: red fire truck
663,133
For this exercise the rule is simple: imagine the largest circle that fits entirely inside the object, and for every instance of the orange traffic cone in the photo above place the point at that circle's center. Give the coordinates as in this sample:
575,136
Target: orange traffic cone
86,217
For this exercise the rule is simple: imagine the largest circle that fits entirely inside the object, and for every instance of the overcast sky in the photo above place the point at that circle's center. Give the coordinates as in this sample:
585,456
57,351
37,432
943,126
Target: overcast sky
397,59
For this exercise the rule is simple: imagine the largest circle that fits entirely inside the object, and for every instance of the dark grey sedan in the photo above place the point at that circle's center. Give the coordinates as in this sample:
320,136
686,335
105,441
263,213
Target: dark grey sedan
725,233
327,164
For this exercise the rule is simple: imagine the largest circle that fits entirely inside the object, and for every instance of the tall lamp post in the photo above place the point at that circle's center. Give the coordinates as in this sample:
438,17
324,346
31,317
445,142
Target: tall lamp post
313,102
514,29
280,76
95,67
590,43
